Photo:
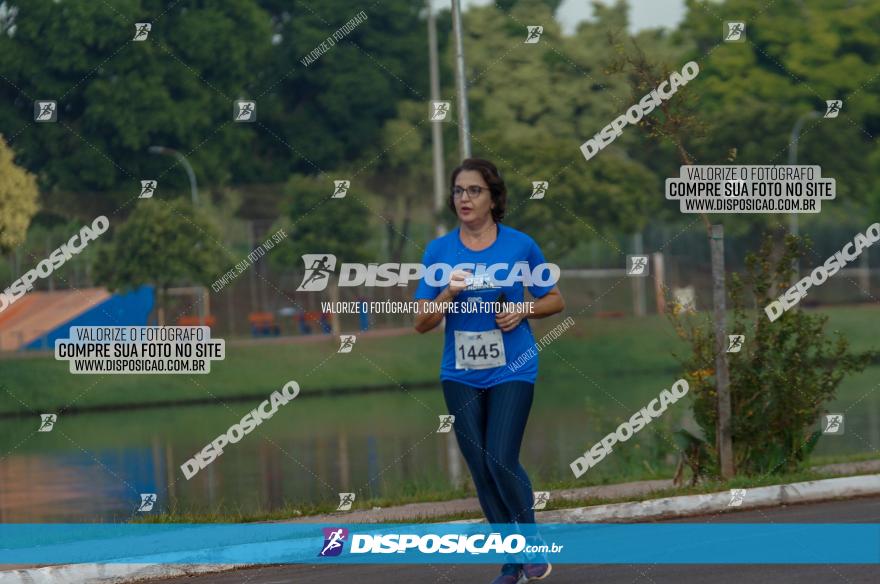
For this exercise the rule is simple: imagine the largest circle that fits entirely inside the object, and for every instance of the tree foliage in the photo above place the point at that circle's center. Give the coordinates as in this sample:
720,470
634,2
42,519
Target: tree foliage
318,224
18,199
781,380
162,244
363,103
176,89
798,54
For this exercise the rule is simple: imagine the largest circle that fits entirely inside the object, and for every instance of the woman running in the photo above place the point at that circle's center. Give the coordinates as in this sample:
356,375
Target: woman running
489,399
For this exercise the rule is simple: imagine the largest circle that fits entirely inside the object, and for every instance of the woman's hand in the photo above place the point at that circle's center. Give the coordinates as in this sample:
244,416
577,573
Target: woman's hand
430,315
507,321
457,282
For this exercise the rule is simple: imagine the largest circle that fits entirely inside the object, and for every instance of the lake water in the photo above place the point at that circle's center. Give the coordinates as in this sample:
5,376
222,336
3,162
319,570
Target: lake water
93,467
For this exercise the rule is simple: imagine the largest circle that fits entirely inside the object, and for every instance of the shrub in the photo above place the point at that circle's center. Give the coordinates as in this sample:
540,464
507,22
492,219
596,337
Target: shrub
785,373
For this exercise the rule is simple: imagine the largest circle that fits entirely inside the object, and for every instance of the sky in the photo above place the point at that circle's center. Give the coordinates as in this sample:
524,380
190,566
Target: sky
643,13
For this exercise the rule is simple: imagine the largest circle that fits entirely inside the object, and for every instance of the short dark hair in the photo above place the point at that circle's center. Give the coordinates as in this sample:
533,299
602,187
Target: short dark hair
490,174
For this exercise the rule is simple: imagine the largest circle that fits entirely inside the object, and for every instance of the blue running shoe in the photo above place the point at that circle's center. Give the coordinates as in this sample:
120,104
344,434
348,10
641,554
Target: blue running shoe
535,572
507,578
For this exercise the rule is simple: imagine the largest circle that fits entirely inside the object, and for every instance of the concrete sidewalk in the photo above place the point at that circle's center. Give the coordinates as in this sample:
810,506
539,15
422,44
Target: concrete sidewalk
417,512
141,568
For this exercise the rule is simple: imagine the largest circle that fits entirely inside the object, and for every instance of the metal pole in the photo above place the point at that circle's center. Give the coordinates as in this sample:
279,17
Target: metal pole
48,250
723,431
436,128
194,194
792,160
464,130
659,281
638,284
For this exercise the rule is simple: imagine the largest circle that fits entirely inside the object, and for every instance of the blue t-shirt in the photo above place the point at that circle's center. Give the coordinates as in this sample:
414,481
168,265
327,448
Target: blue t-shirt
510,247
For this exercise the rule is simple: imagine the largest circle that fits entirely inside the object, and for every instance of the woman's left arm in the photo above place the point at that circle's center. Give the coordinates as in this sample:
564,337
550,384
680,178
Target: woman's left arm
547,305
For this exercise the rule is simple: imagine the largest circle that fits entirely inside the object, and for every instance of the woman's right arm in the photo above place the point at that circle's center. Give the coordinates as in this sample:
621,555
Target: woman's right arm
431,312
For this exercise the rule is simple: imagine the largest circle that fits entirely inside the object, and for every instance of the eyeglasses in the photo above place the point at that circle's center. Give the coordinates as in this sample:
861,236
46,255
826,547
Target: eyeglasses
473,191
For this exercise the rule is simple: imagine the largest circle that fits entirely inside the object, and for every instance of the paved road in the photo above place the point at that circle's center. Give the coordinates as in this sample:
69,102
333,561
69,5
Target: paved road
864,510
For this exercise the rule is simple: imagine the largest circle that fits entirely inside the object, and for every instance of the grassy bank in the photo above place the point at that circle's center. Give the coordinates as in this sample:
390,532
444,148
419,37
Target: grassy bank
293,511
594,347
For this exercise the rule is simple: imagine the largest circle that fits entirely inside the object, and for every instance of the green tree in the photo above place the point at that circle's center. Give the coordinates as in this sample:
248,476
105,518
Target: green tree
18,199
533,105
333,110
781,379
401,176
798,54
162,244
117,97
320,225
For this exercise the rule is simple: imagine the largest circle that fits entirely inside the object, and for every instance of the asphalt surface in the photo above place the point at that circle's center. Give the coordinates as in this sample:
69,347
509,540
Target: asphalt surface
863,510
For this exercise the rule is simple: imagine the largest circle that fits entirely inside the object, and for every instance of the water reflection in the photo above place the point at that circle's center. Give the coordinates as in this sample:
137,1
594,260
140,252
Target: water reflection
95,466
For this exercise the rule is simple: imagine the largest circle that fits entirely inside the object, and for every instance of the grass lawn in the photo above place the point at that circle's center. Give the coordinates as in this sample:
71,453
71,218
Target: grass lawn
605,348
288,512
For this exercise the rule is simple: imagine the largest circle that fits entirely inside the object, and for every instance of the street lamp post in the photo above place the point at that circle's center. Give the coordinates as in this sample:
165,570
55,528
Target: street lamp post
464,130
194,193
436,128
193,187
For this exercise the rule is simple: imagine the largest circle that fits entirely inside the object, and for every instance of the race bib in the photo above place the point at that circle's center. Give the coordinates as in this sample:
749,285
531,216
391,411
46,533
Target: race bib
479,350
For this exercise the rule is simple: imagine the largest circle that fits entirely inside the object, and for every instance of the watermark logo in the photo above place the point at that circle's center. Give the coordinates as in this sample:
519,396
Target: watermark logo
345,501
239,430
340,189
626,430
450,543
55,260
319,266
45,111
334,541
832,424
541,499
346,343
148,187
147,502
47,422
539,189
245,111
734,32
737,496
340,33
533,351
438,111
140,349
833,107
533,34
750,188
664,91
637,265
820,274
735,343
142,31
255,254
446,423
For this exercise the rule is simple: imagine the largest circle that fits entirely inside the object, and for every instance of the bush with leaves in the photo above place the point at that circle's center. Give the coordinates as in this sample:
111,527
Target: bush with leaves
163,244
18,199
781,379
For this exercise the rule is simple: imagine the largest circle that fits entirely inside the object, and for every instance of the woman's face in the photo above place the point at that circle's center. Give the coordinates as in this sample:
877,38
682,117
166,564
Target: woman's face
472,209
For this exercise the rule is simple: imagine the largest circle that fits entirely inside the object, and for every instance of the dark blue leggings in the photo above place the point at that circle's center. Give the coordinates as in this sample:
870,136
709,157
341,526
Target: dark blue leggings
489,425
